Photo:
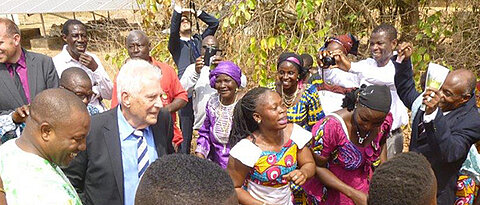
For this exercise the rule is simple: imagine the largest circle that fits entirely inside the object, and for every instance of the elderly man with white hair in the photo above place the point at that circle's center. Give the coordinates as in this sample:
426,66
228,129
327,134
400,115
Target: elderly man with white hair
124,140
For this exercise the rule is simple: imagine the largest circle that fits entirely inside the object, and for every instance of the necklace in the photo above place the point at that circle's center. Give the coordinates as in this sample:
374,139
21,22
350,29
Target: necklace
289,99
224,118
360,138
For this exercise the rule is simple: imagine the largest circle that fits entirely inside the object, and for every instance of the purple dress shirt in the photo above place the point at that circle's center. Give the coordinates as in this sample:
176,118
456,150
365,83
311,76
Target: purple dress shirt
22,74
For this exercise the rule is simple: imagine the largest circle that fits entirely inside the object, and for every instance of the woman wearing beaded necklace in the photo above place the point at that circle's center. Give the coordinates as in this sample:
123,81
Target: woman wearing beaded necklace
301,99
214,133
346,144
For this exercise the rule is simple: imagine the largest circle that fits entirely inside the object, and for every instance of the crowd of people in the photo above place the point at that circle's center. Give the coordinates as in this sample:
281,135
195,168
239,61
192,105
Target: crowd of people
327,134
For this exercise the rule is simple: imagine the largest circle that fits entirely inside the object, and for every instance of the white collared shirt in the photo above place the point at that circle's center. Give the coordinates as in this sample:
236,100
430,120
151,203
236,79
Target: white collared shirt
370,74
367,72
102,85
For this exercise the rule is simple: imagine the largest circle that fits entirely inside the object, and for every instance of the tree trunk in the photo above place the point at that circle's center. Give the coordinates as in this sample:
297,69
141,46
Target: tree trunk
408,10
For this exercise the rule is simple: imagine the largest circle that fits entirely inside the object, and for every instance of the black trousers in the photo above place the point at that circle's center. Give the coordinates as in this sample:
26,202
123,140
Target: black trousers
186,124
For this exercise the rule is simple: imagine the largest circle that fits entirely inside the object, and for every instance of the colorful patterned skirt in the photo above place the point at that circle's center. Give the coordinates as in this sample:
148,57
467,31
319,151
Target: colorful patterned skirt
466,190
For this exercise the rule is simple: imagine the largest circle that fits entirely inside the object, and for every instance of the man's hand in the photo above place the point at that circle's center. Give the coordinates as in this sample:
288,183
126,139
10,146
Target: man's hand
88,61
216,60
431,98
404,50
341,61
199,64
20,114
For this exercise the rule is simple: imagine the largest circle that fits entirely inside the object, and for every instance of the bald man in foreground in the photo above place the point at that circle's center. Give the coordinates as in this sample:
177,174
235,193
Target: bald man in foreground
54,133
448,127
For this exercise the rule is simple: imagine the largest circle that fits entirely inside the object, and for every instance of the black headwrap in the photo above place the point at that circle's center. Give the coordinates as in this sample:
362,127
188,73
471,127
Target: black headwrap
295,60
375,97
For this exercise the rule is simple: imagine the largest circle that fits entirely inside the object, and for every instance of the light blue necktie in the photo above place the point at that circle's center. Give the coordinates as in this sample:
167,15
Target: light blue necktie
142,152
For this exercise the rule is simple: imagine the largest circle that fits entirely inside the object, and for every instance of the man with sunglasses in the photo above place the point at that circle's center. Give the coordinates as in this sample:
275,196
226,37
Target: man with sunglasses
448,126
185,49
196,81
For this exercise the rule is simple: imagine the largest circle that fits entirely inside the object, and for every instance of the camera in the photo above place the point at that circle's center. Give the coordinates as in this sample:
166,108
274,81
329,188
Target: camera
209,52
328,60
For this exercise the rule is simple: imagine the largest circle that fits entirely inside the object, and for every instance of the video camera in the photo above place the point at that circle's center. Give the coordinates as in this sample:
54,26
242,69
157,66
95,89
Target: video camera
209,52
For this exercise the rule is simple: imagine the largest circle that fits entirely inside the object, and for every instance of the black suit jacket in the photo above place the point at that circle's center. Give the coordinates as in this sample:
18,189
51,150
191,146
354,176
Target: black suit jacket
448,137
97,173
41,76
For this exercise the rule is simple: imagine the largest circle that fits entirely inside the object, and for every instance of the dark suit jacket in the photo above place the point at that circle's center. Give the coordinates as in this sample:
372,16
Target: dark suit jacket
97,173
41,76
181,52
448,138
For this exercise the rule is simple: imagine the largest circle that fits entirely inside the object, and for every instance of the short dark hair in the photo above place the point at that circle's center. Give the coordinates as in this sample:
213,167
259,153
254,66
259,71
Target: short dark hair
55,106
388,29
472,83
180,179
307,58
70,22
11,27
71,74
406,179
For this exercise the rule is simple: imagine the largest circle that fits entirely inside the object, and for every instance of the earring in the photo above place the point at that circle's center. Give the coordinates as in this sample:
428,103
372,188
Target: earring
260,121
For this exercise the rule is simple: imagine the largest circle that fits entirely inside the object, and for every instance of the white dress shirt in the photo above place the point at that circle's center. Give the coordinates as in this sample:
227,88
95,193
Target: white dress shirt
198,86
102,85
367,72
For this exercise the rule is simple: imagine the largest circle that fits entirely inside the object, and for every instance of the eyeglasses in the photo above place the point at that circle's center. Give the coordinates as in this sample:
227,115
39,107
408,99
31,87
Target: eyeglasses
83,96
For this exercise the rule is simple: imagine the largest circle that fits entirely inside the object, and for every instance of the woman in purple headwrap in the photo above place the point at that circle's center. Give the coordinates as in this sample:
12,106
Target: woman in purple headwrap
212,142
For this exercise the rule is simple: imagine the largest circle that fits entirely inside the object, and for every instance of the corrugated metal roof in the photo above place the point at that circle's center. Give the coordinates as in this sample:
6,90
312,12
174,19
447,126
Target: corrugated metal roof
57,6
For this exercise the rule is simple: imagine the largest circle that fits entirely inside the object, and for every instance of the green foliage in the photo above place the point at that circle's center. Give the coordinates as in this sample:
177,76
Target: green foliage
118,58
149,11
299,34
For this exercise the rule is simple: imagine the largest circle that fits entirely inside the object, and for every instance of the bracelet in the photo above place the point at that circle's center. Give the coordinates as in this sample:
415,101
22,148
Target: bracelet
2,190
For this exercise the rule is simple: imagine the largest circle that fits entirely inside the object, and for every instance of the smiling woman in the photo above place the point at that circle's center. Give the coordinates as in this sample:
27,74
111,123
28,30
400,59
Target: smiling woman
301,99
212,142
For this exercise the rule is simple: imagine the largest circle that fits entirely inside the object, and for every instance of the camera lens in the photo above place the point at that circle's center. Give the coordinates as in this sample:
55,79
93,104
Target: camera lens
328,61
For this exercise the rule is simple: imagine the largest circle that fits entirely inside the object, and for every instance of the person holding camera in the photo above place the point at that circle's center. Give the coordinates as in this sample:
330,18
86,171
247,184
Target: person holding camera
377,70
332,93
196,80
184,45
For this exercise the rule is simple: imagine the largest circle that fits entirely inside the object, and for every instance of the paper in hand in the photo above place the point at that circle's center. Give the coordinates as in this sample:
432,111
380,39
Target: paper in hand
436,75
